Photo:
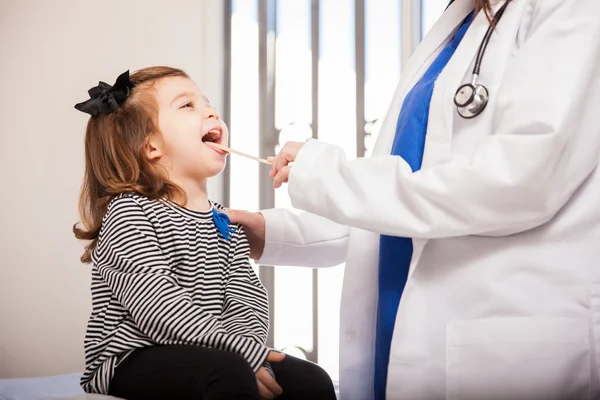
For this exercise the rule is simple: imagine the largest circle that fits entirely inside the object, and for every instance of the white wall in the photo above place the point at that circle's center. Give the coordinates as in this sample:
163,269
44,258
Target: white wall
51,52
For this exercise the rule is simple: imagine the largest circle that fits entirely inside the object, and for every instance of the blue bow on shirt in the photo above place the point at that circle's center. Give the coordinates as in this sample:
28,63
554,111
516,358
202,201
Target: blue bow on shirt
222,223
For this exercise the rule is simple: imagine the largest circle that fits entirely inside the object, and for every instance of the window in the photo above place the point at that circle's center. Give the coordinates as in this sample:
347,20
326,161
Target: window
302,69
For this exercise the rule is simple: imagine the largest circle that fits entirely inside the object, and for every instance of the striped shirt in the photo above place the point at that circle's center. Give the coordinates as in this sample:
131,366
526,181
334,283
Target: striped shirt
163,275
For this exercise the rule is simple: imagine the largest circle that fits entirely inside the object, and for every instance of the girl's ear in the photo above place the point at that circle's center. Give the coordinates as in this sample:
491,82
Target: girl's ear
153,147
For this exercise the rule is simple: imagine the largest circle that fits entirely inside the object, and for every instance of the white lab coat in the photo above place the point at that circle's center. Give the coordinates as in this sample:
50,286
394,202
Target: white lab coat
503,295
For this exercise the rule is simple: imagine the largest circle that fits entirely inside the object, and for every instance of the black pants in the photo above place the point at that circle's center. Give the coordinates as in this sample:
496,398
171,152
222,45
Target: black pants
201,373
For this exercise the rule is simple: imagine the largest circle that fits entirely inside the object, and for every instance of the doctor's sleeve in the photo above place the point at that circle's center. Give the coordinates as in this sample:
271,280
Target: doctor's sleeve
304,240
546,142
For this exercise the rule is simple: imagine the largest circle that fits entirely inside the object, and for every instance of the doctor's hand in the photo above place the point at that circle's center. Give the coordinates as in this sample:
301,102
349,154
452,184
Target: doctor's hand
280,168
254,225
268,388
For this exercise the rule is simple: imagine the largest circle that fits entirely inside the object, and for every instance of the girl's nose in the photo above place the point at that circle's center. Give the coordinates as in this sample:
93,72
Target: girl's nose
209,112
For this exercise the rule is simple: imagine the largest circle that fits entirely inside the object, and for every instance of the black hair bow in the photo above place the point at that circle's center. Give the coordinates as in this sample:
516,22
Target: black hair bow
104,99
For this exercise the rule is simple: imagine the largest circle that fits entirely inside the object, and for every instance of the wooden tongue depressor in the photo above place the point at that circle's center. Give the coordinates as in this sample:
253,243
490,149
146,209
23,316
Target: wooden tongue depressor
239,153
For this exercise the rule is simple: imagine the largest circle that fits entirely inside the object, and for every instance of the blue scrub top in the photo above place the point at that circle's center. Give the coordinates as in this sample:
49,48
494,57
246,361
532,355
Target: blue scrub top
395,253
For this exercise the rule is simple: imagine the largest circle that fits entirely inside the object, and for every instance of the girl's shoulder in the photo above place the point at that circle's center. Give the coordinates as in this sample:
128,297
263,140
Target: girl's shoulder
130,200
124,206
133,206
126,216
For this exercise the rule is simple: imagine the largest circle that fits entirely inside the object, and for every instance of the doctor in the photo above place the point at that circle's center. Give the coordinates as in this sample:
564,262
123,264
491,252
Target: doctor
472,235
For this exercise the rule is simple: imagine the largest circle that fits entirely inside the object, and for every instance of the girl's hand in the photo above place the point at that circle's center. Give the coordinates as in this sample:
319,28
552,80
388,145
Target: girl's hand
268,388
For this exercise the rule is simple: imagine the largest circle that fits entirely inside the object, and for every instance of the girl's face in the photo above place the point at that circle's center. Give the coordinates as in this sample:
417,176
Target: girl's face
186,121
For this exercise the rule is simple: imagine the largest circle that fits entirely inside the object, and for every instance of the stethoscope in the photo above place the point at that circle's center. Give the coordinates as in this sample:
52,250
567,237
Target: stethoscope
471,98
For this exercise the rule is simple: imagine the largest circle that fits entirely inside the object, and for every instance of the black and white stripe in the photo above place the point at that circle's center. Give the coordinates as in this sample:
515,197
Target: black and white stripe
163,275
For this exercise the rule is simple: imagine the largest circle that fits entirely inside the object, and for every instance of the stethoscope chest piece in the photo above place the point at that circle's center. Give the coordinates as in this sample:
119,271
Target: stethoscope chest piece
470,100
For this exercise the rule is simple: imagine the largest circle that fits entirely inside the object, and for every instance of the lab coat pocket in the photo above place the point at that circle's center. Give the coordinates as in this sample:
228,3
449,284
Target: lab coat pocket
518,358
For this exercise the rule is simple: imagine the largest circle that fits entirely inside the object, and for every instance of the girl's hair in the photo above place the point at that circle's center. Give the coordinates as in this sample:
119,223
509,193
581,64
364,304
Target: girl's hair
116,160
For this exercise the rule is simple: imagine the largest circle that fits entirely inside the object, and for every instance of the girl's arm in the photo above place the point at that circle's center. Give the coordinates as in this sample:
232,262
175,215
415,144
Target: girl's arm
130,261
246,308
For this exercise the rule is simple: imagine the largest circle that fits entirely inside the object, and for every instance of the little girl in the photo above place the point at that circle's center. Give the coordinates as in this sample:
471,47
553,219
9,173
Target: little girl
178,312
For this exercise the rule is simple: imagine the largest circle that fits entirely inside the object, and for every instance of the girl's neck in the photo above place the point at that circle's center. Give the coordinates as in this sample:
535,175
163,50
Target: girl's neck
197,195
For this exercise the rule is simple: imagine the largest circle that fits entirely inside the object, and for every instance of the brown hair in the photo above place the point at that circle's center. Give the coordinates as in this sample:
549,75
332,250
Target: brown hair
116,161
486,6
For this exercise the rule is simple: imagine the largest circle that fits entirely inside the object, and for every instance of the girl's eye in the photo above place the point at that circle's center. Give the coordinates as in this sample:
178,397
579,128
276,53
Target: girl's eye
186,105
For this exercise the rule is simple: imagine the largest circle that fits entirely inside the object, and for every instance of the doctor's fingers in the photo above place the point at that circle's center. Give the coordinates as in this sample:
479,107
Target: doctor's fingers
282,176
250,220
286,155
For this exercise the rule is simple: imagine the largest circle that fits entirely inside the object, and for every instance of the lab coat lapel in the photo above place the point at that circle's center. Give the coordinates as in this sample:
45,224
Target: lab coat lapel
442,110
442,106
418,63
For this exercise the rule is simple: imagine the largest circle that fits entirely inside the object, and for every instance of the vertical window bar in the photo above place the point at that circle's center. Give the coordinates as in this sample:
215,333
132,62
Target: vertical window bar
268,134
314,40
417,23
359,29
411,27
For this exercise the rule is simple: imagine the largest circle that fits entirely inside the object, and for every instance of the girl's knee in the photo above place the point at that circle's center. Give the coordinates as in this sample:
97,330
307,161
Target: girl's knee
317,383
321,378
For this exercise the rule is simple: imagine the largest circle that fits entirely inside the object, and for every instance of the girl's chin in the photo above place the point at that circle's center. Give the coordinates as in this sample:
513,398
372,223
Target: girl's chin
215,168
